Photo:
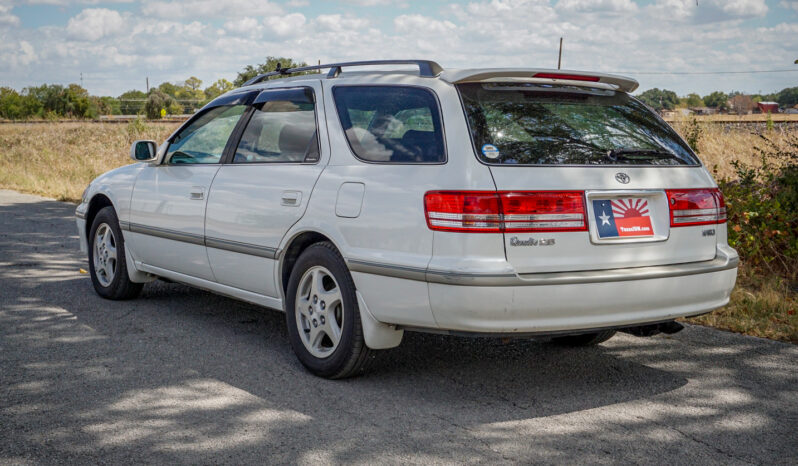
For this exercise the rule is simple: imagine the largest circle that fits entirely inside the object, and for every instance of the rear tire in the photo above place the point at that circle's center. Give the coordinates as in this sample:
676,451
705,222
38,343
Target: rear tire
322,315
584,339
107,261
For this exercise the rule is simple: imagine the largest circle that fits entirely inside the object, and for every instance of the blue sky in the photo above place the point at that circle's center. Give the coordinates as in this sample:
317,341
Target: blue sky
117,44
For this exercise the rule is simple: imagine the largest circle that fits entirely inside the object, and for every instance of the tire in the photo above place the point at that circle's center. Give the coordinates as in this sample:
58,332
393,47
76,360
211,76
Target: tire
107,261
584,339
321,307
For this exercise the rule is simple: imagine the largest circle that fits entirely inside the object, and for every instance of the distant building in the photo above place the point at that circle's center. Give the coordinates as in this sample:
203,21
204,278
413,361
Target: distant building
704,110
768,107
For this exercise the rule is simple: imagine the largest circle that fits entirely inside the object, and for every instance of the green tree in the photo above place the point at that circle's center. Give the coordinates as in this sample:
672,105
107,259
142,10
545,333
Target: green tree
659,99
717,100
193,83
168,89
158,100
218,88
132,102
251,71
11,106
694,100
787,97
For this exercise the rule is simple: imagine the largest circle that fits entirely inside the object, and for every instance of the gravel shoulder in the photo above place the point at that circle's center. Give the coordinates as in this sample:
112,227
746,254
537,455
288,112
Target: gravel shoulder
184,376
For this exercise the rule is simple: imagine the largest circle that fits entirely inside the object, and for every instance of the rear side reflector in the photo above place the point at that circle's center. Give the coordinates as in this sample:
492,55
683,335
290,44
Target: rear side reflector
505,211
690,207
570,77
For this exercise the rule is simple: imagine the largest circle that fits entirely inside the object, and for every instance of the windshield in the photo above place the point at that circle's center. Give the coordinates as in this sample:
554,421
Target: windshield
537,124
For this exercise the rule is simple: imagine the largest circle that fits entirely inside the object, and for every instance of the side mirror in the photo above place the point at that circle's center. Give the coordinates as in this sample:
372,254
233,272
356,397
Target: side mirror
143,151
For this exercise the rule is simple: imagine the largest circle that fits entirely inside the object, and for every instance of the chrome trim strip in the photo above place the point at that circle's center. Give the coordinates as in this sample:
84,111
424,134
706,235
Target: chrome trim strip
80,215
723,261
216,243
168,234
243,248
388,270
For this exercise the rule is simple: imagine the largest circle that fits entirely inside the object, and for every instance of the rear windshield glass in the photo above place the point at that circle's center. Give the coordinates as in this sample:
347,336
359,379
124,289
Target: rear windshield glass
391,124
534,124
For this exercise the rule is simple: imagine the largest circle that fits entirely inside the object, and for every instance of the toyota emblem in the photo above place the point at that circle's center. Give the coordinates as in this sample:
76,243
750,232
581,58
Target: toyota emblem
622,178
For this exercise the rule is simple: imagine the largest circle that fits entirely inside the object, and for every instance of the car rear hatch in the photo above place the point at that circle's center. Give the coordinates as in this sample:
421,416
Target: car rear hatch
589,178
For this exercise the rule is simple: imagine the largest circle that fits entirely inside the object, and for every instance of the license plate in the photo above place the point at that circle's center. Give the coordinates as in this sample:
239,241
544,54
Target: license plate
622,217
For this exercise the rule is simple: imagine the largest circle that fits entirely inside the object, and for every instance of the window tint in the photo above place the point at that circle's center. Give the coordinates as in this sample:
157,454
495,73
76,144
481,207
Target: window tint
282,129
532,124
391,123
204,139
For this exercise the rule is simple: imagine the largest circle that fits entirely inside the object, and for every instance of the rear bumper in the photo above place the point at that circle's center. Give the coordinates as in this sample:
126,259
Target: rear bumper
572,301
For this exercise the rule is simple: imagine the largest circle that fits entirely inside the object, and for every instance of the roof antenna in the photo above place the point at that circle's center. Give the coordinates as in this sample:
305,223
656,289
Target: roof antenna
559,57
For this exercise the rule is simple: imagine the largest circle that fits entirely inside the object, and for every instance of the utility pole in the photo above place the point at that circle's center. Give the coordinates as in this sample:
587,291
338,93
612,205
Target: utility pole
81,79
148,84
559,58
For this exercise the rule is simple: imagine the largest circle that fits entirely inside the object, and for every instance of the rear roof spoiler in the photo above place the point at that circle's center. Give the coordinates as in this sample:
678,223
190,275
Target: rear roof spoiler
579,78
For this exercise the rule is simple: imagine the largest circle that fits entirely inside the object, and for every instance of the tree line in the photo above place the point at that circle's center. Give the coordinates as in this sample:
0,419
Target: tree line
738,102
54,101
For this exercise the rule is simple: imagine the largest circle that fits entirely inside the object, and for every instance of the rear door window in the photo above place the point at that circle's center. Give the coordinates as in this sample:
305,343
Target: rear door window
391,124
282,129
533,124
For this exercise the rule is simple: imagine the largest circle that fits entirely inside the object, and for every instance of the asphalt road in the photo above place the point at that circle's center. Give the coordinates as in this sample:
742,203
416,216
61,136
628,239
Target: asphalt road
183,376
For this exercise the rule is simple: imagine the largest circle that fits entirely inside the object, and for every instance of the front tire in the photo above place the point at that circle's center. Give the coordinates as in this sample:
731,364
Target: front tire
322,315
107,261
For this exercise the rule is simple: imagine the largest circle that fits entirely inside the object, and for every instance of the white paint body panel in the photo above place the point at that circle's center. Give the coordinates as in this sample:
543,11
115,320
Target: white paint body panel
162,199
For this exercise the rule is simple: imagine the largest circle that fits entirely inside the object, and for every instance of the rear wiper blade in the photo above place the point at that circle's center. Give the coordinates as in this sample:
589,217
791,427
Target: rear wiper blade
639,154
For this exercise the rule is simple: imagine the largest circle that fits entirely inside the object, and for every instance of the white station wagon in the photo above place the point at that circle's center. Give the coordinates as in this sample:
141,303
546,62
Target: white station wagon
488,202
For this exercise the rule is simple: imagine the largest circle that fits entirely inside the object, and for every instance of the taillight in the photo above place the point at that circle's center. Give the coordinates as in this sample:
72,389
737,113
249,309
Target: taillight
696,207
543,211
474,211
494,212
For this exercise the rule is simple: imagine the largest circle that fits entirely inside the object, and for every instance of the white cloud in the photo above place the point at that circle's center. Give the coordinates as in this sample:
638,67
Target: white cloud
598,5
708,11
297,3
340,23
95,23
6,17
285,26
370,2
789,4
418,24
171,40
175,9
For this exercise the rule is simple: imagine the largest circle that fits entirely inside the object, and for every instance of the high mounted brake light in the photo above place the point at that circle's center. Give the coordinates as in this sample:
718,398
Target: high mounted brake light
505,211
570,77
690,207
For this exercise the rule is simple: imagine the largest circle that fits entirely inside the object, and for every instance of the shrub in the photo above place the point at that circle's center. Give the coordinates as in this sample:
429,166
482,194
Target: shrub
693,133
158,101
762,206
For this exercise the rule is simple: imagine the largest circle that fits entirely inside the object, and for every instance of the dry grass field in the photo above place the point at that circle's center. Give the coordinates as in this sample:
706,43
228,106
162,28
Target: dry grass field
59,160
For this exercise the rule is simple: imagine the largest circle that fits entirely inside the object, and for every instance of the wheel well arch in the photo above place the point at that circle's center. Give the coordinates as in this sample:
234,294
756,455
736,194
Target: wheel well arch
295,247
98,202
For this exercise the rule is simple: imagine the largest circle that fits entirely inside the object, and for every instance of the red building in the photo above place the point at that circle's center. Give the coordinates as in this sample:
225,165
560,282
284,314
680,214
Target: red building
768,107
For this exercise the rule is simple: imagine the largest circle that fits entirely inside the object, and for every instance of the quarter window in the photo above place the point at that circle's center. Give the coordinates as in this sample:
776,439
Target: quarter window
204,139
282,129
391,124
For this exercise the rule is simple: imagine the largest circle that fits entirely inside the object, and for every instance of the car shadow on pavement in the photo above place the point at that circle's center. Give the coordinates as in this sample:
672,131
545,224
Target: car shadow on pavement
181,375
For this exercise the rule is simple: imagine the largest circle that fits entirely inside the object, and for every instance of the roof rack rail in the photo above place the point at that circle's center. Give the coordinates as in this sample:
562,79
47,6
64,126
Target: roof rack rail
426,68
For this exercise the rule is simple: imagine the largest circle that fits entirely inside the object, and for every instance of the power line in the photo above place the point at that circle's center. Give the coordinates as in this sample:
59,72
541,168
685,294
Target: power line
704,72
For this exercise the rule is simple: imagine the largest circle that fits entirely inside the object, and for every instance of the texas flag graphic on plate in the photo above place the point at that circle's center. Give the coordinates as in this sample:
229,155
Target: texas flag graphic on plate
622,217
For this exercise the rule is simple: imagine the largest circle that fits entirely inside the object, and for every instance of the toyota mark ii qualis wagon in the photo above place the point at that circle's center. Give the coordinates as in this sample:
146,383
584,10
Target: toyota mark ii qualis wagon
490,202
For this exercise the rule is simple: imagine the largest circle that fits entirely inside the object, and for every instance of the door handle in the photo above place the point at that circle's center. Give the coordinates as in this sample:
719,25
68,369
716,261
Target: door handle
291,198
197,193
